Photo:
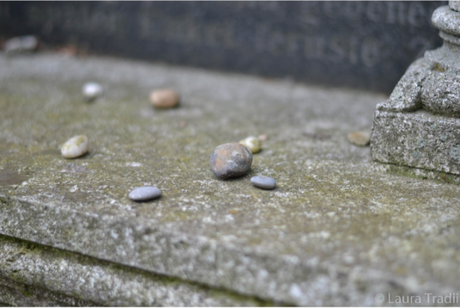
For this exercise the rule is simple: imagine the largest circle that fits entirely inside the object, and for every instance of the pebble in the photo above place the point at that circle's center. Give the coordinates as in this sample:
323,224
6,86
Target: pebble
75,147
231,160
359,138
20,44
91,90
264,182
164,98
263,137
144,193
252,143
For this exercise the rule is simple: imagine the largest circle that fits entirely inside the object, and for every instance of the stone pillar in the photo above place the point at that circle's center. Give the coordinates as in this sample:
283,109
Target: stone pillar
419,125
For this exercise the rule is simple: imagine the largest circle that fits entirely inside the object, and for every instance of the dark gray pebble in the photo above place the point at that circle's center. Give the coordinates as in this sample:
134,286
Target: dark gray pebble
264,182
144,193
231,160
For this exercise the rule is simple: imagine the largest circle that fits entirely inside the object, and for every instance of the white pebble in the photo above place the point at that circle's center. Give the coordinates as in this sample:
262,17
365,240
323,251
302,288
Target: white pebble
253,143
144,193
91,91
75,147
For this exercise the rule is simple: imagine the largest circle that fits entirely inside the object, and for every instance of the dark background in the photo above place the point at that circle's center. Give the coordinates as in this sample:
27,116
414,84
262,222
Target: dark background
365,45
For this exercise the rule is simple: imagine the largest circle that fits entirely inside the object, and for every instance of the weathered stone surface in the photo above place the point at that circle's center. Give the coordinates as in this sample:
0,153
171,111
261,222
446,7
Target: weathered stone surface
417,139
338,230
454,5
19,294
33,275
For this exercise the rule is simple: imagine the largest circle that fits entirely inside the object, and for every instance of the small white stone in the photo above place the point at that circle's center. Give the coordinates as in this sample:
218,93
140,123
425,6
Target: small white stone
144,193
75,147
252,143
91,90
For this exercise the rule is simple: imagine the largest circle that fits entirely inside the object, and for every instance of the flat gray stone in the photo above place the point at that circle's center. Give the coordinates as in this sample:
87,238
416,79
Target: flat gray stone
338,230
264,182
144,193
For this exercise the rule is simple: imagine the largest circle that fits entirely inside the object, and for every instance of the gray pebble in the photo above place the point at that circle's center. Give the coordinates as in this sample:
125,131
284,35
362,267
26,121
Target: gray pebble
264,182
144,193
21,44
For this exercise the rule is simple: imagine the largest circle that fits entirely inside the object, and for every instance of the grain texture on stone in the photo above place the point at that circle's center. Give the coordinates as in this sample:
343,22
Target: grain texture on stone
335,219
231,160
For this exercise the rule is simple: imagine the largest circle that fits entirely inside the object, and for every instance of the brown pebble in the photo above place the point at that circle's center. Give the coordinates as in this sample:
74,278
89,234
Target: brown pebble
359,138
164,98
231,160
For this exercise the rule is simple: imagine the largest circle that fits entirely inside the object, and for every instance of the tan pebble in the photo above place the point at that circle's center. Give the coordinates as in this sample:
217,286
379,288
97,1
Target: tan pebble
75,147
263,137
164,98
359,138
253,143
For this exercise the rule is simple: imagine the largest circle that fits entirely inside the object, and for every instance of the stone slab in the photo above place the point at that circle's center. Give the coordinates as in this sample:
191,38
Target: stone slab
338,229
14,294
34,275
419,139
366,44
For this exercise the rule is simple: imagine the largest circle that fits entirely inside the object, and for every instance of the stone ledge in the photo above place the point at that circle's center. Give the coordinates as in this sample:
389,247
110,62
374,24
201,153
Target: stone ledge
34,275
17,294
335,231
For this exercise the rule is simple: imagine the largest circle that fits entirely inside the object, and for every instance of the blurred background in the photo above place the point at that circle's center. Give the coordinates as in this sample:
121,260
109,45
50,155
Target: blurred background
365,45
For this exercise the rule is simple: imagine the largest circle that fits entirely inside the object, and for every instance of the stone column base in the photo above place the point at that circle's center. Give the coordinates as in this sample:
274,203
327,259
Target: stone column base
417,139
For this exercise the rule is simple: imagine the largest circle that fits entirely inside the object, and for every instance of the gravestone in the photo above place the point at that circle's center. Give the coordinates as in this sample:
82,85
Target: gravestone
337,230
419,124
364,45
